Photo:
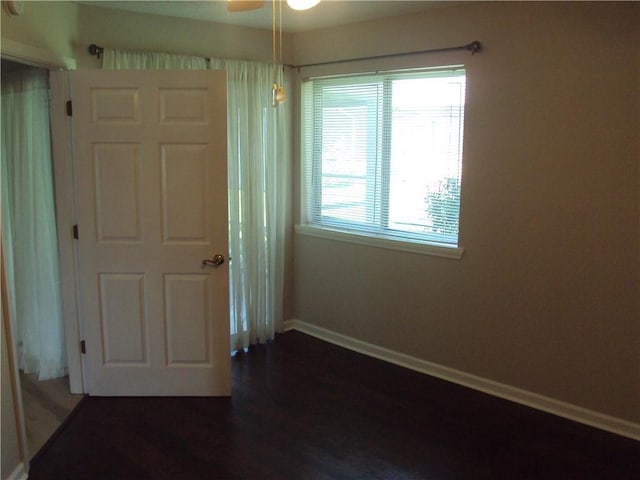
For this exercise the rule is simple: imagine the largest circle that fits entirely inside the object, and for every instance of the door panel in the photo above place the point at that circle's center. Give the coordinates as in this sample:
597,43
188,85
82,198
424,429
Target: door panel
186,305
117,186
151,185
184,193
123,319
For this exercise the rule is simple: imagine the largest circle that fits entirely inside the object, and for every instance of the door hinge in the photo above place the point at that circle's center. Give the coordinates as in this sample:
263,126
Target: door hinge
69,108
75,232
83,346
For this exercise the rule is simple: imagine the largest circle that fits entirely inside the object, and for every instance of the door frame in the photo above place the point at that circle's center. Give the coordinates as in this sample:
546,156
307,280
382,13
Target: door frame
63,174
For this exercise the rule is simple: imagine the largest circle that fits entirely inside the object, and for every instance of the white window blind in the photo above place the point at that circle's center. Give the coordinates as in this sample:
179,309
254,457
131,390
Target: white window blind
383,154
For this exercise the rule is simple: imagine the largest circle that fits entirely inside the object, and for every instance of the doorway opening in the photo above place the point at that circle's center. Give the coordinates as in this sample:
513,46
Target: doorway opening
30,252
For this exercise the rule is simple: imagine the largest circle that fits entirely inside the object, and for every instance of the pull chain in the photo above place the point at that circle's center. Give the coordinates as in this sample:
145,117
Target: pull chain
278,95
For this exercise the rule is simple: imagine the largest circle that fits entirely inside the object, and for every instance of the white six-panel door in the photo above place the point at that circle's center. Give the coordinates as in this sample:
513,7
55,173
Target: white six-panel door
151,191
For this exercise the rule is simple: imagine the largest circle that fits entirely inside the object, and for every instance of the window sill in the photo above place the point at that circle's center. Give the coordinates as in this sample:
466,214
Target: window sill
372,241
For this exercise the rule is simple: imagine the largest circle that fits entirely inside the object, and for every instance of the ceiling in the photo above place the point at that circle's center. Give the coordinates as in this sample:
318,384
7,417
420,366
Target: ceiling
328,13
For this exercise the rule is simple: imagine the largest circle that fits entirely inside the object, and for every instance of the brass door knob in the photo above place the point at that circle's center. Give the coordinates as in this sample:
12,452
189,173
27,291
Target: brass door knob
214,261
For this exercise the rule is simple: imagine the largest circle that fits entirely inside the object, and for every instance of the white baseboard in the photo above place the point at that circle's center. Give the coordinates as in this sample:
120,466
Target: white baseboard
19,473
514,394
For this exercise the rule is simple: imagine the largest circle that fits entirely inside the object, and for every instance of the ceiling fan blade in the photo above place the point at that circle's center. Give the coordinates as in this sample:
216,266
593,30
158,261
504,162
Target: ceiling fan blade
244,5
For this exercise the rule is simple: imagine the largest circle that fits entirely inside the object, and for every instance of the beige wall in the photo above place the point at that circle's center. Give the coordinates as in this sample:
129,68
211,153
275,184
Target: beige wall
546,297
50,26
127,30
67,29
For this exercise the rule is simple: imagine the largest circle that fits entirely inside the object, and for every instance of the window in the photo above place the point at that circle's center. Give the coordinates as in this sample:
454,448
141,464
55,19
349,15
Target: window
383,155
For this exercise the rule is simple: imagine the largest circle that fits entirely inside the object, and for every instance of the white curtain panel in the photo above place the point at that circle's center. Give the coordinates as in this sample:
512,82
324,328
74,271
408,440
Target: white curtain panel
124,60
29,225
258,165
258,159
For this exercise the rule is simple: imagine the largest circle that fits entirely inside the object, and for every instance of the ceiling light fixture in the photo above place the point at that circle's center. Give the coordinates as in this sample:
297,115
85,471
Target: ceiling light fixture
302,4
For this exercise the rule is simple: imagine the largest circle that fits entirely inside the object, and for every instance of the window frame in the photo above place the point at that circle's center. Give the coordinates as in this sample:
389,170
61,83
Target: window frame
311,165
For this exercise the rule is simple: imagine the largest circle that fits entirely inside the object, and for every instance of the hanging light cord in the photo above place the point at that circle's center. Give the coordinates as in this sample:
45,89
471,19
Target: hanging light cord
273,39
280,3
278,95
273,42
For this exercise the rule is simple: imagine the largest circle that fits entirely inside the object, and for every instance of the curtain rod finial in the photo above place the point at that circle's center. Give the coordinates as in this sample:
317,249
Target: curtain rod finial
96,50
474,47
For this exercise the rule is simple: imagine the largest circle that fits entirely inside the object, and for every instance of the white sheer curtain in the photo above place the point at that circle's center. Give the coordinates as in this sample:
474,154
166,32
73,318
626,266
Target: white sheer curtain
258,159
124,60
29,226
258,165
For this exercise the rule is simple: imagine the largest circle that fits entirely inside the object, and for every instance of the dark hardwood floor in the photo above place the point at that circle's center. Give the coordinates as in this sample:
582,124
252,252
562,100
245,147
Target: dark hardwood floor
306,409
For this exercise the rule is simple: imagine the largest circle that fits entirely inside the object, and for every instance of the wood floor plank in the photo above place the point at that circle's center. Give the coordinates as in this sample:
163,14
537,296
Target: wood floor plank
306,409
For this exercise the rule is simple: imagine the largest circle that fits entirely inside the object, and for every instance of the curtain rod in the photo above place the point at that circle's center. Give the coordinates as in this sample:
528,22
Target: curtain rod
473,47
97,51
